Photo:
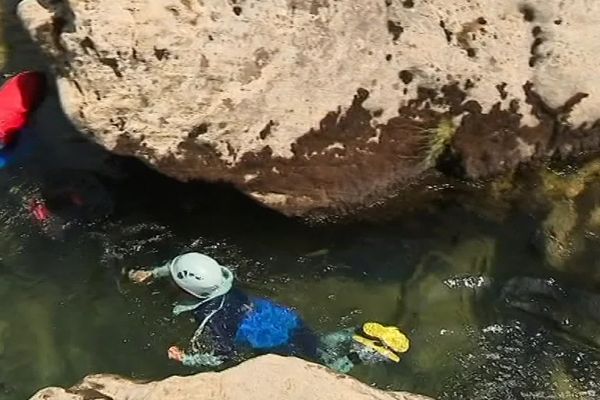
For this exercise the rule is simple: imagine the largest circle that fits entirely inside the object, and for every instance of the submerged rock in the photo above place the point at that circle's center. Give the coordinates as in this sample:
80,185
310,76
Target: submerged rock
571,227
441,304
266,377
572,310
559,234
319,107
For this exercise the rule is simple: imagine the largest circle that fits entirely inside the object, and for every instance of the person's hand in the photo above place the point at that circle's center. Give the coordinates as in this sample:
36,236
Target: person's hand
175,353
140,276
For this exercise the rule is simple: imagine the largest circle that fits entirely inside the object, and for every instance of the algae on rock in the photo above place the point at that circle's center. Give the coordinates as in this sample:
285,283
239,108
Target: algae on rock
559,235
573,221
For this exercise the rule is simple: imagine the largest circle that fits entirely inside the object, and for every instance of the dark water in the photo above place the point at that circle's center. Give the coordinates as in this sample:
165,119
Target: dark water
441,274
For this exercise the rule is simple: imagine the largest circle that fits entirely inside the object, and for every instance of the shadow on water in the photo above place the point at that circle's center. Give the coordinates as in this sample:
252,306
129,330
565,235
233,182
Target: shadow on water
439,274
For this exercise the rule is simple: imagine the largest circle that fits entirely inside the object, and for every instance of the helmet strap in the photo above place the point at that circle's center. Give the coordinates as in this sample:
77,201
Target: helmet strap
223,289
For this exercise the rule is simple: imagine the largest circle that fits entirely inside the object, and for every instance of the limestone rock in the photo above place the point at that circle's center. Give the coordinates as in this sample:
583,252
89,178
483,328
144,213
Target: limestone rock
267,377
314,106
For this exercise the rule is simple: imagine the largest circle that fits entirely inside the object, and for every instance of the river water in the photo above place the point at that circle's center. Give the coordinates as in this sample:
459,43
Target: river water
444,274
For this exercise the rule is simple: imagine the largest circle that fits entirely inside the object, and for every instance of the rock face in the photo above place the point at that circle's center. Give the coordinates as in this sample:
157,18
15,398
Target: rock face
263,378
320,106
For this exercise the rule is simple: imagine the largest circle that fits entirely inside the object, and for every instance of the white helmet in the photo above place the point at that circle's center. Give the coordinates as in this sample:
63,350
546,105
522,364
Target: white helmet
200,276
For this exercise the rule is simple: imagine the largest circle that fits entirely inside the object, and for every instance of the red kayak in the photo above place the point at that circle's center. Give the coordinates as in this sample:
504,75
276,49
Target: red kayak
19,97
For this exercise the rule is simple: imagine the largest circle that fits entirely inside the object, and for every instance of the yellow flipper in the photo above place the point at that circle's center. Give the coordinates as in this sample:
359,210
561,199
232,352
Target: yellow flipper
380,349
388,335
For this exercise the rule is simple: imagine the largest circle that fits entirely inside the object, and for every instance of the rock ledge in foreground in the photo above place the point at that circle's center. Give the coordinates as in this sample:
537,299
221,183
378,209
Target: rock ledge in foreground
263,378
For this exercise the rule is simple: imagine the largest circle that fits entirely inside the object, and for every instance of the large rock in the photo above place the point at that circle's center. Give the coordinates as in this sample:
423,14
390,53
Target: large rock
314,106
263,378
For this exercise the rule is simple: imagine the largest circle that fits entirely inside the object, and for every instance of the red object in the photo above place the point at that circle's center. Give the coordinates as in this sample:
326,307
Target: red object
39,211
19,96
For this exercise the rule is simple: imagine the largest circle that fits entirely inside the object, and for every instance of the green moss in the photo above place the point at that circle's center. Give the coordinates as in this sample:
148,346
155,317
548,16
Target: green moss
437,140
569,185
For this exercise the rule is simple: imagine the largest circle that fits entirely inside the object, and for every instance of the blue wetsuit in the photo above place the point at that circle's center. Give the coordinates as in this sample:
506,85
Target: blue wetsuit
246,323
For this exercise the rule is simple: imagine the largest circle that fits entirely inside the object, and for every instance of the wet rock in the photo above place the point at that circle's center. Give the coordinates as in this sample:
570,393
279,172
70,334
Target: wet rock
572,310
568,237
559,235
353,105
266,377
572,225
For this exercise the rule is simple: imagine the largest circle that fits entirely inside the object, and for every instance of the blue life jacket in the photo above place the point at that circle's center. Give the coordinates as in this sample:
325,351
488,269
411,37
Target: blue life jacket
268,326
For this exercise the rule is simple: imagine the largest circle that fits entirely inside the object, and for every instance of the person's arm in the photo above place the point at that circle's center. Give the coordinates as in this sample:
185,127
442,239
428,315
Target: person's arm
147,276
195,359
161,272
